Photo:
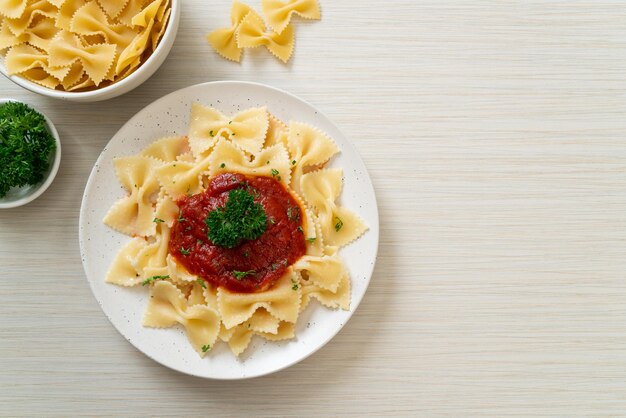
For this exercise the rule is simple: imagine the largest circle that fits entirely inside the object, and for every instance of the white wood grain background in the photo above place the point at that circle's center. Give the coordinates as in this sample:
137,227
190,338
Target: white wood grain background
494,132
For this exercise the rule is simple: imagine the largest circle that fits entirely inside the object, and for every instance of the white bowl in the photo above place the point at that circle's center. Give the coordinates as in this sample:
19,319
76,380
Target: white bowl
23,195
116,89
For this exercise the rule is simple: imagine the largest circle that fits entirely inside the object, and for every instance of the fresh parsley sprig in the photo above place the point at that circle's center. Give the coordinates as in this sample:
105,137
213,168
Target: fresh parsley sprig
239,275
240,219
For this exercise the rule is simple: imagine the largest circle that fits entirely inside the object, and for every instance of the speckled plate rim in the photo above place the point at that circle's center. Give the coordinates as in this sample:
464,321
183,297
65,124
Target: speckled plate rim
124,307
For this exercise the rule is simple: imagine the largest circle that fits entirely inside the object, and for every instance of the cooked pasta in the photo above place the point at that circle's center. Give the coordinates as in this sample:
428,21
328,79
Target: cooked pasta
77,45
250,148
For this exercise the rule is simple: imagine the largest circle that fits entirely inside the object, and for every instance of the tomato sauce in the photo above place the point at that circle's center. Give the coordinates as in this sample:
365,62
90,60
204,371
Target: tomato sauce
267,257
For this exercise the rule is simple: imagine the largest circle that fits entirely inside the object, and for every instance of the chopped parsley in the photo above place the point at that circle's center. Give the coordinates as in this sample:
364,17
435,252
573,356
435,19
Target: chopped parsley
338,223
300,230
211,133
222,165
311,239
246,254
206,348
294,284
293,162
184,251
274,266
153,278
180,217
275,172
241,274
240,219
293,213
199,242
158,220
25,146
201,283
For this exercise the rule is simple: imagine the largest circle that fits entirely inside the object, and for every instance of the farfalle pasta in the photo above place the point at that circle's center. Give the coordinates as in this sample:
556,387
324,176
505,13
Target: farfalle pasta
222,291
77,45
249,30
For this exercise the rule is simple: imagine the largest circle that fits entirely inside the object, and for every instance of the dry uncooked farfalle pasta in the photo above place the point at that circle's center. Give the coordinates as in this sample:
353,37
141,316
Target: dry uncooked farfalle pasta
249,30
77,45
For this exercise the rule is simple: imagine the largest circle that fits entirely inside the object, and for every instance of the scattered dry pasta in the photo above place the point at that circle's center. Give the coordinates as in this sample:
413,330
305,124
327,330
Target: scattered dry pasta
249,30
78,45
172,170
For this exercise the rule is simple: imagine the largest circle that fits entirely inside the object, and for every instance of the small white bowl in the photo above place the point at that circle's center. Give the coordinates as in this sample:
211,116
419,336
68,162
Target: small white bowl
140,75
23,195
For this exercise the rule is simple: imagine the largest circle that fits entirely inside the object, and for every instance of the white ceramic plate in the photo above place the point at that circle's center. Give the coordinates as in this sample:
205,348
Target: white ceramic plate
125,306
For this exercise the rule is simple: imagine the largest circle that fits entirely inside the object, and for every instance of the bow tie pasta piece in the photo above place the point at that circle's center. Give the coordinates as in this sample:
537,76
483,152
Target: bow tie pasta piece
253,33
112,8
247,128
167,306
7,38
148,14
309,148
166,149
134,50
325,271
91,20
179,274
151,261
132,9
159,28
122,271
33,11
12,9
74,76
271,162
282,301
339,225
67,11
277,132
96,59
203,293
180,178
338,299
278,13
166,210
261,323
24,57
37,35
41,77
134,214
223,40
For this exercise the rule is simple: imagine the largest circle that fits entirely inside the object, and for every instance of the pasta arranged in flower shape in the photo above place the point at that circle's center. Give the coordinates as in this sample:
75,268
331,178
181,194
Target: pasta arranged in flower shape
236,228
76,45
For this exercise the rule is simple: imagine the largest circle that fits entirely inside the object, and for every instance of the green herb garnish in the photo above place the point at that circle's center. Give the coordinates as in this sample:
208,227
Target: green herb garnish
222,165
211,133
180,217
241,274
184,251
311,239
201,283
240,219
275,172
153,278
293,213
300,230
338,223
206,348
25,146
158,220
294,284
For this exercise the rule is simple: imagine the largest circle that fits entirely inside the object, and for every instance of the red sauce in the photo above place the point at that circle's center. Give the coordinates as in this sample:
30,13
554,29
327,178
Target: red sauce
269,256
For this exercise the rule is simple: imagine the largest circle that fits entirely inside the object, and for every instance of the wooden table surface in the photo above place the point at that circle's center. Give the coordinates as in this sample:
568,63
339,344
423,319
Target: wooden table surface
494,135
